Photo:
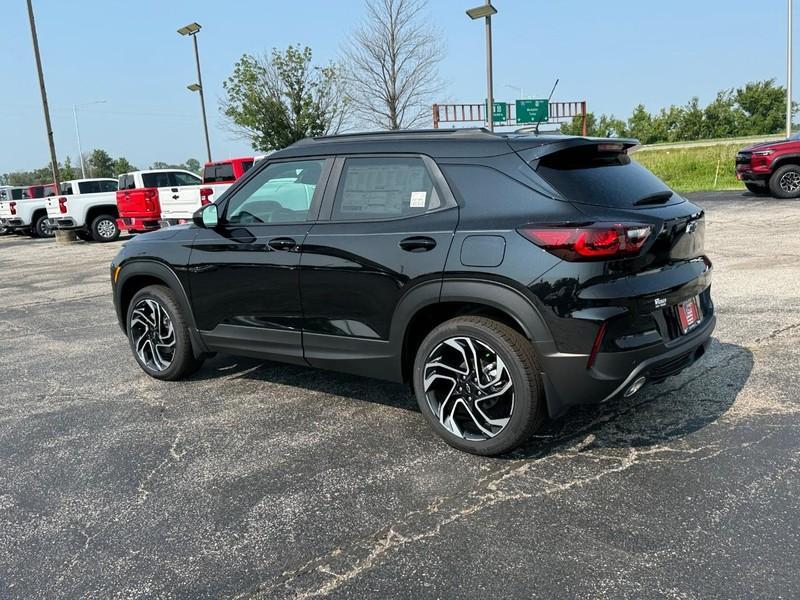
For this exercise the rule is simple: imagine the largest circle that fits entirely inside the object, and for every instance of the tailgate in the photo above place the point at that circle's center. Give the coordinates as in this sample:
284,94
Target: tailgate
179,202
5,209
53,209
141,202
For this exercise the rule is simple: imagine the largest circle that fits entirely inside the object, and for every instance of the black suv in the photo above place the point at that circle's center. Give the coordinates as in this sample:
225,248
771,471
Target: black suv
507,277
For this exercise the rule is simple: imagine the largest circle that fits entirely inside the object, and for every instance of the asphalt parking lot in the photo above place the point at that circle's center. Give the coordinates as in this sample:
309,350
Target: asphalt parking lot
261,480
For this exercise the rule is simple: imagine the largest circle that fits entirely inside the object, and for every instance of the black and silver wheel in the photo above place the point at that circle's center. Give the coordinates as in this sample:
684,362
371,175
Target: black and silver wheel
478,385
104,228
41,227
785,182
159,336
757,188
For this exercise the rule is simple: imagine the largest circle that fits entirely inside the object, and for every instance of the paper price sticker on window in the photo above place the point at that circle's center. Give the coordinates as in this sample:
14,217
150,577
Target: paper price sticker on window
418,199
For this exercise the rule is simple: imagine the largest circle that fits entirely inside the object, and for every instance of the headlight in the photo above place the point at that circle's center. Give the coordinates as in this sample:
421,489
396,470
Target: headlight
763,152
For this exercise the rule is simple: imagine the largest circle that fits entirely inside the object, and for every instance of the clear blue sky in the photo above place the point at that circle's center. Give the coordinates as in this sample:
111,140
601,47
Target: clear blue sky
614,53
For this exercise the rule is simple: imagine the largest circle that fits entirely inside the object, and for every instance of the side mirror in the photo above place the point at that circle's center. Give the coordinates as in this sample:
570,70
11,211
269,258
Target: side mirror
206,217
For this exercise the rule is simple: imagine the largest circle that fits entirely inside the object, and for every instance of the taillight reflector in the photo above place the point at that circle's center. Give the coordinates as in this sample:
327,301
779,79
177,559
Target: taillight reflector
62,205
592,241
598,339
150,195
205,196
13,207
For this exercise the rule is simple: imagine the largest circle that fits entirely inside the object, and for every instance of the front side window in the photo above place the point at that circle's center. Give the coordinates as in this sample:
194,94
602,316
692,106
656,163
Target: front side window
384,188
281,193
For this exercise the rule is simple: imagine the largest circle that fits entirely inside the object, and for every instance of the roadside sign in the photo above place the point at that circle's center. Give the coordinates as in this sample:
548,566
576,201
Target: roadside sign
533,111
500,112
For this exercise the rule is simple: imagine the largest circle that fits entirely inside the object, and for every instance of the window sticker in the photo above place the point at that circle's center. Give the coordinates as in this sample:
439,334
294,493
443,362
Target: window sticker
418,199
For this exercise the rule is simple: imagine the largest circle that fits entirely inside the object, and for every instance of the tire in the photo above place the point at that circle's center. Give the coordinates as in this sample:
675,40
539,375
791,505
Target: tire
759,189
41,229
147,307
104,228
785,182
516,413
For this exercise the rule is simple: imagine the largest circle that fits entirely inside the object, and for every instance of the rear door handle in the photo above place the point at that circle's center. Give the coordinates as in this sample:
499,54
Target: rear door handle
282,243
418,244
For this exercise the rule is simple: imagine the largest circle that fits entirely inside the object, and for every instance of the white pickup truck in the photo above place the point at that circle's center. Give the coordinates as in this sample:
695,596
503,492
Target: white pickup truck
88,207
9,193
142,194
179,205
28,212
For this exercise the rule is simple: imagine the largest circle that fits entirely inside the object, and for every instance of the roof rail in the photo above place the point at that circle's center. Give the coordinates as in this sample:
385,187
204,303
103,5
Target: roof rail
462,131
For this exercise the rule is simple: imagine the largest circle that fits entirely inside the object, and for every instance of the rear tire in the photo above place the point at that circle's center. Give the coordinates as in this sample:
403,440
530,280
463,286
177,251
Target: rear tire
496,399
759,189
41,228
104,228
785,182
158,333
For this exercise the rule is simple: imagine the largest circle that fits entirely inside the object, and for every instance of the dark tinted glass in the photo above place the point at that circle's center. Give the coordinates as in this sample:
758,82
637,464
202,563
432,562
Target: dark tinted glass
384,188
66,188
246,164
156,180
17,194
180,178
218,173
590,176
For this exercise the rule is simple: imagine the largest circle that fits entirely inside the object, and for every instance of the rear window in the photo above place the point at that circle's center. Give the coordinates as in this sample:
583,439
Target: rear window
589,175
97,187
127,182
218,173
246,164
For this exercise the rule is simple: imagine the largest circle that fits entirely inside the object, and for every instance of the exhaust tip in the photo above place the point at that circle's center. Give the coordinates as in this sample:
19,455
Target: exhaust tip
635,387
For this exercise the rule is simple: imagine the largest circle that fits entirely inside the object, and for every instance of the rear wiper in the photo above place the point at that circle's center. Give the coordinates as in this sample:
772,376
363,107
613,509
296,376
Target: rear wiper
657,198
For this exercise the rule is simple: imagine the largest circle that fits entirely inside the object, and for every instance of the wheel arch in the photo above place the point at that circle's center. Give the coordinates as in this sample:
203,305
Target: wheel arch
138,274
420,312
95,211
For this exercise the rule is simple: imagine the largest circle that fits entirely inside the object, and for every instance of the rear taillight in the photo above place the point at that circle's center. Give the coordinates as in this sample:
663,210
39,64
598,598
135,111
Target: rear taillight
592,241
13,207
205,196
62,205
150,195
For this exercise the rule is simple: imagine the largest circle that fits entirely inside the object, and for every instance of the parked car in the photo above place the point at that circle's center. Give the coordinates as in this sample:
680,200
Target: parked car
507,277
140,194
771,168
179,206
28,213
88,207
9,194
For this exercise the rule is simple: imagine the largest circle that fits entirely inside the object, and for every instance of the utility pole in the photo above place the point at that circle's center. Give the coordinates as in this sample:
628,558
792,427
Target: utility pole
63,237
789,70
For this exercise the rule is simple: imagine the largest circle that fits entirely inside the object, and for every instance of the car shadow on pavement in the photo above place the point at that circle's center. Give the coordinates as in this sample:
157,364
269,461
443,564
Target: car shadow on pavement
659,414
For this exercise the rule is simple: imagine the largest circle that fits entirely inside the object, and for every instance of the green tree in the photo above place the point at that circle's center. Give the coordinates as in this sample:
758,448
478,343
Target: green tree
575,126
275,101
101,164
722,118
66,171
763,106
640,125
122,165
691,125
193,165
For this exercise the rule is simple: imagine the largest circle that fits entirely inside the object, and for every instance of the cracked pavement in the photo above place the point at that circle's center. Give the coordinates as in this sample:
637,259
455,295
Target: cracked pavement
260,480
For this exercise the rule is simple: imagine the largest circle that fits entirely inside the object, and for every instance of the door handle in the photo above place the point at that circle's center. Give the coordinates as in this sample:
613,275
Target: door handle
418,244
282,243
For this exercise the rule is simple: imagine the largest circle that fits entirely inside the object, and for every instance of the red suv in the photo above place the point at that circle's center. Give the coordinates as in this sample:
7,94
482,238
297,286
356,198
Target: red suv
771,167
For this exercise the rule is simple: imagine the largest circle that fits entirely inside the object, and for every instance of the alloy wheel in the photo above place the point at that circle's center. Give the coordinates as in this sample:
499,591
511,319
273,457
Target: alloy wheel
44,229
153,334
106,229
468,388
790,181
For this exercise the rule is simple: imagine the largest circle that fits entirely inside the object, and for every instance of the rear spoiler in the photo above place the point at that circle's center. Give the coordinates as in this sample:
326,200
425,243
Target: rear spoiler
534,151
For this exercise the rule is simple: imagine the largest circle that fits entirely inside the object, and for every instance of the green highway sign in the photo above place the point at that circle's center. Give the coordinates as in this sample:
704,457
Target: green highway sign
533,111
500,112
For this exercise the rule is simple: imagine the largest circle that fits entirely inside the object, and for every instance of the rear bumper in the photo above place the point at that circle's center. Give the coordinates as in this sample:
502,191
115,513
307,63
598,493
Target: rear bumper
63,223
13,223
568,381
137,224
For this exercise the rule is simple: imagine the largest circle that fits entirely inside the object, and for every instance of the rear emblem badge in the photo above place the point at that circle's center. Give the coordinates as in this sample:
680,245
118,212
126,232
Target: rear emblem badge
660,302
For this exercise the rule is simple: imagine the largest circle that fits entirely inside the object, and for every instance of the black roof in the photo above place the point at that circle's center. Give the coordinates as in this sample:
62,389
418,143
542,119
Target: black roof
438,143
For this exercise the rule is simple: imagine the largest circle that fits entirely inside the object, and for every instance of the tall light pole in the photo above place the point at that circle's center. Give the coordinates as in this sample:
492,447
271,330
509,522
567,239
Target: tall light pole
789,69
78,133
64,237
191,30
486,11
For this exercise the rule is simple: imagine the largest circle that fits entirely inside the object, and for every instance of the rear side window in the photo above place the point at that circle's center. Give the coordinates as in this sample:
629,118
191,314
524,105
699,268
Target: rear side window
246,164
96,187
184,179
66,188
384,188
590,176
169,179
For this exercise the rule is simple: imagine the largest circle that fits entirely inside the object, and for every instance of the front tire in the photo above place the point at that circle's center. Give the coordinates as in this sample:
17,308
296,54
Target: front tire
159,335
104,228
477,384
785,182
759,189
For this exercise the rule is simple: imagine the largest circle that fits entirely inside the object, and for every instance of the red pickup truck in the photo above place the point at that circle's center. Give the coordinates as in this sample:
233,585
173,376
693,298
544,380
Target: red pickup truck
771,168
